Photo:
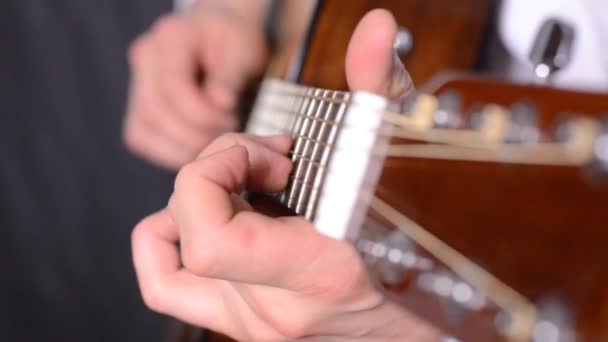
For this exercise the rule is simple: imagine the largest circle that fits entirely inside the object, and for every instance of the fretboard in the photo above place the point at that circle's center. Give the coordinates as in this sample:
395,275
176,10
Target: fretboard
333,133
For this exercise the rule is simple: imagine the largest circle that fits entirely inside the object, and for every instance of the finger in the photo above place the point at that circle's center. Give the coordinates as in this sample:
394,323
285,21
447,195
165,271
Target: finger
177,74
153,129
165,286
217,242
149,143
277,143
150,129
227,67
172,127
371,62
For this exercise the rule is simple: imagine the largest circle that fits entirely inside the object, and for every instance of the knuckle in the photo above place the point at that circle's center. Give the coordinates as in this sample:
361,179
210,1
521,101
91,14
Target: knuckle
134,136
138,232
184,178
198,257
354,283
230,138
167,27
291,329
222,142
344,284
152,296
152,291
137,51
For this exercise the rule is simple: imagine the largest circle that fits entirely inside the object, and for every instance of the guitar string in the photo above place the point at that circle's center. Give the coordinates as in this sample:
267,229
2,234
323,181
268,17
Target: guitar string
405,121
466,138
523,313
538,153
546,154
524,318
298,194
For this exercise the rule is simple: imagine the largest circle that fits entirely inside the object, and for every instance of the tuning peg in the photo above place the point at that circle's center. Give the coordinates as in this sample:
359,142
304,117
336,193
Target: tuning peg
407,104
555,322
580,135
491,121
600,147
523,124
399,260
394,257
552,48
418,110
404,42
447,115
445,285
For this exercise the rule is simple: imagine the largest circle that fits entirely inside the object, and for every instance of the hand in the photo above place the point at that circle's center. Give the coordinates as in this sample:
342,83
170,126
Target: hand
187,74
253,277
258,278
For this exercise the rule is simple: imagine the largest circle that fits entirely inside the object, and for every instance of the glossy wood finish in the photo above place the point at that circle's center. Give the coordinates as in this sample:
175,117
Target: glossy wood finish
447,36
542,230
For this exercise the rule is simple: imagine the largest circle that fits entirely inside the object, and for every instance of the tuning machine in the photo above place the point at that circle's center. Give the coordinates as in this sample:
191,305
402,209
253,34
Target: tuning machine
523,124
516,125
449,106
552,49
426,111
404,42
491,121
417,110
393,256
585,140
600,147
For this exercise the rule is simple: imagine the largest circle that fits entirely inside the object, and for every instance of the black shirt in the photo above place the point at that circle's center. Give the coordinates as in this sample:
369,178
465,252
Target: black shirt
69,191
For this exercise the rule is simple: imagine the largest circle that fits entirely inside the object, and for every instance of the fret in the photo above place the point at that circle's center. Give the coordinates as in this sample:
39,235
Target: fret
296,104
295,131
283,111
321,97
311,152
303,105
327,134
299,148
314,118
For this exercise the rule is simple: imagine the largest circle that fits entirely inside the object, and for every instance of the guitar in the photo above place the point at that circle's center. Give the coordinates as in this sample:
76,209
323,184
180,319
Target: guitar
481,213
478,205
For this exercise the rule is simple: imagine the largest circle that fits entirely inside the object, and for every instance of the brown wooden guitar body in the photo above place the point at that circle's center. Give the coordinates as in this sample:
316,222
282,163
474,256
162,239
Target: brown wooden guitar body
540,229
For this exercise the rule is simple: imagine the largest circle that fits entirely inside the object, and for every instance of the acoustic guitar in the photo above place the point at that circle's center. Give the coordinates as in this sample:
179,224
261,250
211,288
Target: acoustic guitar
311,37
478,205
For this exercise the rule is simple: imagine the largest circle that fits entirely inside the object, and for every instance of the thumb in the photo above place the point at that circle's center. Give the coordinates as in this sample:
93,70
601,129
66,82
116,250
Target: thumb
371,62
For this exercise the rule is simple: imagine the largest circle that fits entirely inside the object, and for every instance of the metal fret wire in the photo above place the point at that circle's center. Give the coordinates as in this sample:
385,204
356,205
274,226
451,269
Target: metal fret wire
280,110
325,153
295,128
466,142
308,147
312,151
299,149
314,123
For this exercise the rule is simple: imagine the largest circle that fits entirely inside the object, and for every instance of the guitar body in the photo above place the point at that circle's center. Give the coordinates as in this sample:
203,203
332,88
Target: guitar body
313,37
541,229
